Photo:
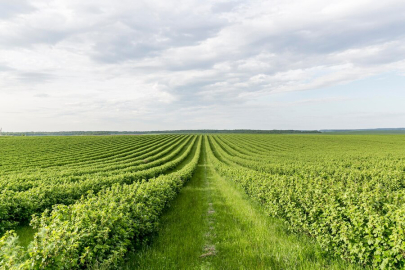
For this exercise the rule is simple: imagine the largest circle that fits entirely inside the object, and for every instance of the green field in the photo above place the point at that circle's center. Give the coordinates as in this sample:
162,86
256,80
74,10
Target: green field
222,201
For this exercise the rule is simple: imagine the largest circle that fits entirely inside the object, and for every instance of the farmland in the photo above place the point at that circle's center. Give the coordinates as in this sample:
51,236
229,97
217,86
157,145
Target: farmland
220,201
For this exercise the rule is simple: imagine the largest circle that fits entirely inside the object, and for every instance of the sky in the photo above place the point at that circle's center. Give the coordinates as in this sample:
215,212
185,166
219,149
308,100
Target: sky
189,64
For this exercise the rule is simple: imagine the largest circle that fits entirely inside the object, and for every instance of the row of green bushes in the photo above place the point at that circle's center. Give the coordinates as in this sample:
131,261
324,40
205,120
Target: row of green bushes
360,223
17,207
77,171
98,230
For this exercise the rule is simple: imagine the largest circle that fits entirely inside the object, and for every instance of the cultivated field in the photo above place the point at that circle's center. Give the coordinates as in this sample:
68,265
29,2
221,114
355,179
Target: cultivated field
202,202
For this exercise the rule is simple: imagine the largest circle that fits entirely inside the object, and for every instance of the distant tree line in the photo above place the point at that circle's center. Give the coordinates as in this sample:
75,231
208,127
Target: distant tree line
204,131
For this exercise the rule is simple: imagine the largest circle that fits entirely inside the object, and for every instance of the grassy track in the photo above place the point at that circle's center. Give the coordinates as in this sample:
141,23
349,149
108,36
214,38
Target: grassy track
178,242
212,224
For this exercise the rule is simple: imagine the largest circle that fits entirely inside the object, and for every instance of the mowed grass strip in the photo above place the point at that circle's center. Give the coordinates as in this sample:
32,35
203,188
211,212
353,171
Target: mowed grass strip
178,243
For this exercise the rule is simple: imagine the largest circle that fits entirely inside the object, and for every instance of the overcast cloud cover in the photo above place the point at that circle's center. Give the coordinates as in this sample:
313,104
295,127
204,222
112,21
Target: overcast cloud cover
156,65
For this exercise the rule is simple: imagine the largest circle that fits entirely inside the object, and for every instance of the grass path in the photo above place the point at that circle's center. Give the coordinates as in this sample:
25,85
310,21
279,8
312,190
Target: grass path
179,241
212,224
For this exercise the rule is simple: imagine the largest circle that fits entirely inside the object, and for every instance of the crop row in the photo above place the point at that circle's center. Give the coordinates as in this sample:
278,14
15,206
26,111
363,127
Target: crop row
131,163
358,216
90,153
18,206
46,152
97,230
388,172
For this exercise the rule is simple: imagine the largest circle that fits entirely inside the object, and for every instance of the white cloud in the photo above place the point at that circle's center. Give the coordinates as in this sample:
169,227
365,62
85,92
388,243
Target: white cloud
153,58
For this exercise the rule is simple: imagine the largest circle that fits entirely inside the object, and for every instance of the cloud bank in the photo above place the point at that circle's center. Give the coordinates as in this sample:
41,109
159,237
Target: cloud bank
141,65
